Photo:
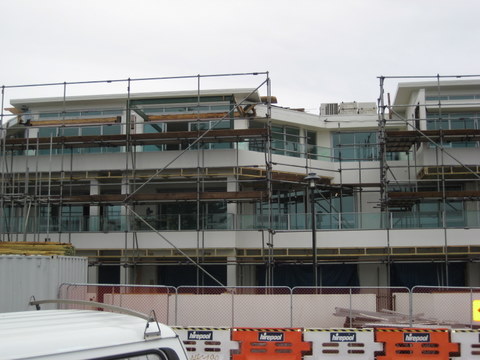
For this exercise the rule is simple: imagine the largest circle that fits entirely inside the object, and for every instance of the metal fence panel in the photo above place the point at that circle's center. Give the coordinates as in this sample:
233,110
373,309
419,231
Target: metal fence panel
315,307
307,307
262,307
140,298
204,306
334,307
444,305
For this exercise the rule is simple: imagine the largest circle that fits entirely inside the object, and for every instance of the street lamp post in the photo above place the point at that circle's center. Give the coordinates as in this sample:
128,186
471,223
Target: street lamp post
312,183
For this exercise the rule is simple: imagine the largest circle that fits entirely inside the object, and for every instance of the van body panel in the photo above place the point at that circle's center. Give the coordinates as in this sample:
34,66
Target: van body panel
80,334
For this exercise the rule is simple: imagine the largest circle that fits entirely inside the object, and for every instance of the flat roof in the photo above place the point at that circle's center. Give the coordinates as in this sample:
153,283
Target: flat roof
405,89
249,94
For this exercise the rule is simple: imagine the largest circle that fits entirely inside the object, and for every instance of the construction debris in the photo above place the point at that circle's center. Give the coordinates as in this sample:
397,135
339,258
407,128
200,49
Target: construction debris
36,248
362,318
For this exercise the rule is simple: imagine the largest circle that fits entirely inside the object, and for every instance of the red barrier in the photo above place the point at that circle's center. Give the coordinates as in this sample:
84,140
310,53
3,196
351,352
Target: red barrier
417,344
270,344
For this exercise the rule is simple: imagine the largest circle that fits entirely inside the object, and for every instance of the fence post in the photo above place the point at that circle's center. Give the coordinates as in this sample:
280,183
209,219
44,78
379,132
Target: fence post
291,307
176,307
471,304
350,308
410,291
234,290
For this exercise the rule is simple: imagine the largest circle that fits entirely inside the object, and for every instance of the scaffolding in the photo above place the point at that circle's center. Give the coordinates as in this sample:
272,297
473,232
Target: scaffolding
49,178
47,186
432,131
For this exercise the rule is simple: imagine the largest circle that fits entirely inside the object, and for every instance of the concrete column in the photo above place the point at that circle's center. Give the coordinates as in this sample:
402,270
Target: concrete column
124,190
373,274
94,220
247,275
126,275
231,271
147,275
473,274
232,185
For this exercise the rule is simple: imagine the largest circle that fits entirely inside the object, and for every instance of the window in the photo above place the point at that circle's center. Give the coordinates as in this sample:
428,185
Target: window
355,146
153,128
106,129
79,114
453,97
454,121
286,140
215,125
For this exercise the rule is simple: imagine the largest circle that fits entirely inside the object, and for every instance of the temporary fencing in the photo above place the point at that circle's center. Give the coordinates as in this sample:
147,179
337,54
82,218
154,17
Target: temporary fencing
218,306
270,344
469,341
144,299
416,344
282,307
340,344
445,305
346,307
207,343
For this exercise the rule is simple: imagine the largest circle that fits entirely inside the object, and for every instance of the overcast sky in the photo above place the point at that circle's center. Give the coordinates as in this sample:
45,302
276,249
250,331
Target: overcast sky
315,51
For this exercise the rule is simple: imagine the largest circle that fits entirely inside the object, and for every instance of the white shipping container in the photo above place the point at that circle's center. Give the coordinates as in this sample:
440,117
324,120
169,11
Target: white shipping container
22,277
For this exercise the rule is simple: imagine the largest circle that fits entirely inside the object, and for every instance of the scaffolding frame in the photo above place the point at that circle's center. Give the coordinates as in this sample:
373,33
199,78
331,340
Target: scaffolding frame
409,141
130,181
27,189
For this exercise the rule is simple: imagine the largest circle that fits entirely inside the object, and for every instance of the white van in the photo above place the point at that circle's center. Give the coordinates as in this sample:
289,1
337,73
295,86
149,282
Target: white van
85,334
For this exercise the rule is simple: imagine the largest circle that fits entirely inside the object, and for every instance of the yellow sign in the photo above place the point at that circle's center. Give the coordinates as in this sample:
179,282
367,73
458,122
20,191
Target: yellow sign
476,310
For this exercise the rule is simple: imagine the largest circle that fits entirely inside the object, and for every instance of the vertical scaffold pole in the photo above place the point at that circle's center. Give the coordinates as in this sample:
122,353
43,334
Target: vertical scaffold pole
271,232
3,136
443,212
200,257
383,170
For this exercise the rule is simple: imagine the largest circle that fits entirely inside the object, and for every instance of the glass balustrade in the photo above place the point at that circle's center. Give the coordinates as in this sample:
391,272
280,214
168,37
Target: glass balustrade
286,222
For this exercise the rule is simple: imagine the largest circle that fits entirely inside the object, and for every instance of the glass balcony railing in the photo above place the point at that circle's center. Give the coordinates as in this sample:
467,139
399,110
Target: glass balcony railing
286,222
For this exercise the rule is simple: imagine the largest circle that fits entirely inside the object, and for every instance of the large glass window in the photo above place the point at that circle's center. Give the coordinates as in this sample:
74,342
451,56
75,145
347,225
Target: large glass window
112,218
334,210
153,128
358,146
454,121
106,129
79,114
212,124
182,109
286,140
355,146
184,215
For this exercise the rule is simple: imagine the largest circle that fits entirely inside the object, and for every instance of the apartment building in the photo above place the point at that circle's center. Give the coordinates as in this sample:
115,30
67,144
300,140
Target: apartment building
215,187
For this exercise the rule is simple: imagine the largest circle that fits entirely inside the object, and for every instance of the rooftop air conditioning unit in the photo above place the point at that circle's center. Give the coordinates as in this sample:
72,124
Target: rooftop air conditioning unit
329,109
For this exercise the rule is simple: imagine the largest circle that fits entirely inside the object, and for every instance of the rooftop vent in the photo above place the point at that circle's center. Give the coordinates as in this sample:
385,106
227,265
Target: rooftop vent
329,109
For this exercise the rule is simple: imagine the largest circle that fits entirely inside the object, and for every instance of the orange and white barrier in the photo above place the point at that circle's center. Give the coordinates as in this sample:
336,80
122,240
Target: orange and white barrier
416,344
270,344
207,343
342,344
469,340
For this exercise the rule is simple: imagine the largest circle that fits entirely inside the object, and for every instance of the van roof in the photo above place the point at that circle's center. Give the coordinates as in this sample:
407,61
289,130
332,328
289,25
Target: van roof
37,333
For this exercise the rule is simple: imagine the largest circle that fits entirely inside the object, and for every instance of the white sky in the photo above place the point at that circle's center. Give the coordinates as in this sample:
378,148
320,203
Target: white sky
316,51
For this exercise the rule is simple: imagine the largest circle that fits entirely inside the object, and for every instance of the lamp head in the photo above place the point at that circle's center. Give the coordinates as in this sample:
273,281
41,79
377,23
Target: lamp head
312,179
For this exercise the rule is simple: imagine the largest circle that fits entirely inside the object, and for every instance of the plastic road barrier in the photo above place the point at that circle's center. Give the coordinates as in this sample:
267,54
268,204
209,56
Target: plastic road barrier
203,343
342,344
469,343
270,344
415,343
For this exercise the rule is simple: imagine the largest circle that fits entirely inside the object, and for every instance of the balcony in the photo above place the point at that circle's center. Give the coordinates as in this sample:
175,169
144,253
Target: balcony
212,222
